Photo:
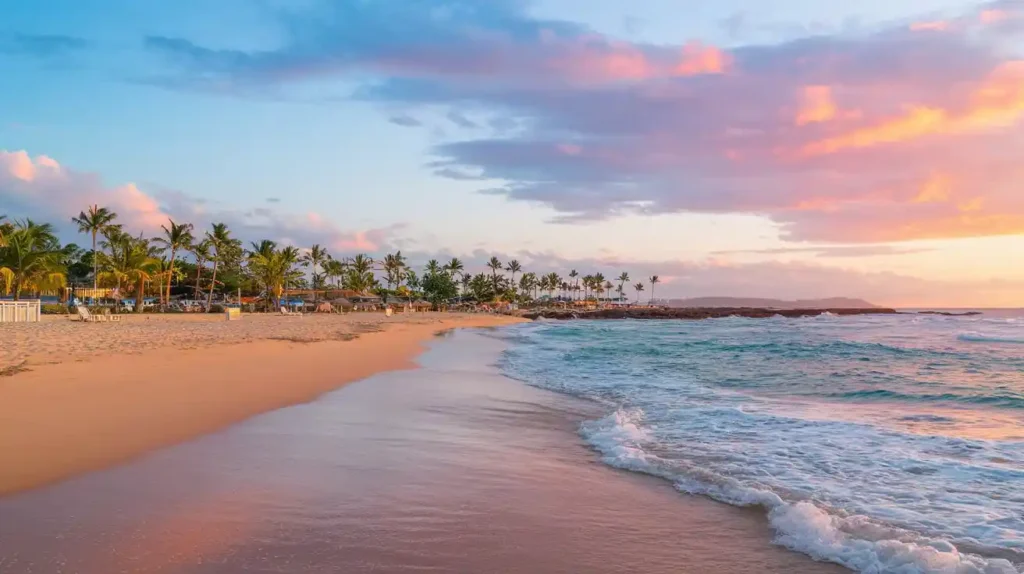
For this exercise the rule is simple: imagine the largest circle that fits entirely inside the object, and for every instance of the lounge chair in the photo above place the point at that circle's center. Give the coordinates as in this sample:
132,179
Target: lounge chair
287,313
85,316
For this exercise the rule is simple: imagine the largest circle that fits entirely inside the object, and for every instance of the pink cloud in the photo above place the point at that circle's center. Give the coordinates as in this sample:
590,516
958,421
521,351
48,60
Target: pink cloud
43,189
930,26
835,137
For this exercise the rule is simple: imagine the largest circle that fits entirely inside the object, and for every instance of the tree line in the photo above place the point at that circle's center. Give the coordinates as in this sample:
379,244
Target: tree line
33,261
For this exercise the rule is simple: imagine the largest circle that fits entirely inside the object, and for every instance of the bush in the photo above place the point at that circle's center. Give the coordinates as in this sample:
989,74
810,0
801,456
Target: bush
54,309
216,308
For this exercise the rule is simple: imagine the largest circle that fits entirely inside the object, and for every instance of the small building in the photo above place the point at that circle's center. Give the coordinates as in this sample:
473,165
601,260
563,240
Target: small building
365,301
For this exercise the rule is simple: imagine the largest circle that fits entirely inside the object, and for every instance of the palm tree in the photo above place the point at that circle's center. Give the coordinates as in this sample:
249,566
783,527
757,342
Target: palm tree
93,221
225,248
495,265
623,279
514,267
334,269
202,251
466,282
527,283
394,268
315,258
608,288
5,228
360,274
639,289
599,285
273,268
573,274
175,237
553,282
116,242
132,262
31,258
454,267
654,281
433,267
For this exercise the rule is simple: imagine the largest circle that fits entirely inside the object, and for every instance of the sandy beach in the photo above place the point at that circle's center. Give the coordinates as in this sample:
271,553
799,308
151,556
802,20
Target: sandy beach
82,396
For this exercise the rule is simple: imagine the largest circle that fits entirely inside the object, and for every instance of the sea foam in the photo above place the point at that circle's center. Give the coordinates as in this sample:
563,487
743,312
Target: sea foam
854,541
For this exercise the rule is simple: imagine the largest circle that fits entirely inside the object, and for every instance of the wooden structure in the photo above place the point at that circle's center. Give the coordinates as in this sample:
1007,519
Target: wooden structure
21,311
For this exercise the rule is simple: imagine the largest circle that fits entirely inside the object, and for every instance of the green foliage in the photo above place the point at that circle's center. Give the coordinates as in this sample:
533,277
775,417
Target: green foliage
438,287
274,269
31,259
54,309
131,262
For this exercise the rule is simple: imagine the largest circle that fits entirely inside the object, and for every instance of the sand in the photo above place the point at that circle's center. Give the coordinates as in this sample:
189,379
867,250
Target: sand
78,397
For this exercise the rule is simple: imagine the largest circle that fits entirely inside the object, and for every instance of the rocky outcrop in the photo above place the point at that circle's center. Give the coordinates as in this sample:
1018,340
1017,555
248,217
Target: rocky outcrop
694,313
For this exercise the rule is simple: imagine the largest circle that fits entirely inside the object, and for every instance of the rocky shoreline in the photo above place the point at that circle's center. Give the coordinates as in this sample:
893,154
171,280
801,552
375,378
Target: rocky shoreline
693,313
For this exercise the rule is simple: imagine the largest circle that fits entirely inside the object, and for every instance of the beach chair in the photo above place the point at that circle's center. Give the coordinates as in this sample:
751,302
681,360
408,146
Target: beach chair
85,316
287,313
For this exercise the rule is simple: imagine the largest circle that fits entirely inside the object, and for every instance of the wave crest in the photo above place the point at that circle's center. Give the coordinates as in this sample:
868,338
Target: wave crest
980,338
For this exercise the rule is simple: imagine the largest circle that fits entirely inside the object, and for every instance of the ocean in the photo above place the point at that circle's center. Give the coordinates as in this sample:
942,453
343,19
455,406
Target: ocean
881,443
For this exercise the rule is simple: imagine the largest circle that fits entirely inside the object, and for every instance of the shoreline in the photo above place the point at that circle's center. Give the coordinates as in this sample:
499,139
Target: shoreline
695,313
63,419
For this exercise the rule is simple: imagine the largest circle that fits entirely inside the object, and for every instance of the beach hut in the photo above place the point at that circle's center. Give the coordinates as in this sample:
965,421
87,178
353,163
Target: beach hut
365,302
420,306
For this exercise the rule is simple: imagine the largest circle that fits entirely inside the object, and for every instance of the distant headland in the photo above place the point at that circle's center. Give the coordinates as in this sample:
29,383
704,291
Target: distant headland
761,303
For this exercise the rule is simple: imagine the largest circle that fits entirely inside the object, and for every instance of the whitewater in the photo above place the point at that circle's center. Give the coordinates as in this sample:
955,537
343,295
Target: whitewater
882,443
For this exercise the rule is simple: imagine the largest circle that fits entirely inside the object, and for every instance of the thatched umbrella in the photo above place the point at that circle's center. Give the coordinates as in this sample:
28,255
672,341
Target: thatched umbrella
342,303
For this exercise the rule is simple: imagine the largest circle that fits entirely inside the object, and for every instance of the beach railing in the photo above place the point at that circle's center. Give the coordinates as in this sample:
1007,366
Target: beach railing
20,311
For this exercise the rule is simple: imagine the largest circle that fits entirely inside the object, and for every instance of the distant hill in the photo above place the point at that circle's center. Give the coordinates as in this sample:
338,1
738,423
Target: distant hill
828,303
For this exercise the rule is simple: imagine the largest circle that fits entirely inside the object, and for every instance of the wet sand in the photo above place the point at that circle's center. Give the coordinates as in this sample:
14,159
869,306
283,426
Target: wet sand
146,391
448,468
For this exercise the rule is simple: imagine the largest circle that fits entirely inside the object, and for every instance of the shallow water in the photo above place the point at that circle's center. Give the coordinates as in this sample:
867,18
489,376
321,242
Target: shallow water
451,468
883,443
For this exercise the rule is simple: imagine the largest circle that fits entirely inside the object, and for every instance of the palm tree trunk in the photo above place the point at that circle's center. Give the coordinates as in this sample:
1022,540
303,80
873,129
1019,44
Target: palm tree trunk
170,275
213,283
95,261
199,274
140,291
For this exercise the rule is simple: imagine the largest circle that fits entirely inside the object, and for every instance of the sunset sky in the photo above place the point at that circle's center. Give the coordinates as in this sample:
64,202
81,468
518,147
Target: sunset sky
793,148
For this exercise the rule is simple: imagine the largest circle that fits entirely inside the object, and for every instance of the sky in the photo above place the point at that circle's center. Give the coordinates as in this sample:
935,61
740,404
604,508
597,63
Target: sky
790,149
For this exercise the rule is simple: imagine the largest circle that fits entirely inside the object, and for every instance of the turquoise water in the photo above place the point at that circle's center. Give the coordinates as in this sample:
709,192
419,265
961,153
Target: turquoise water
883,443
